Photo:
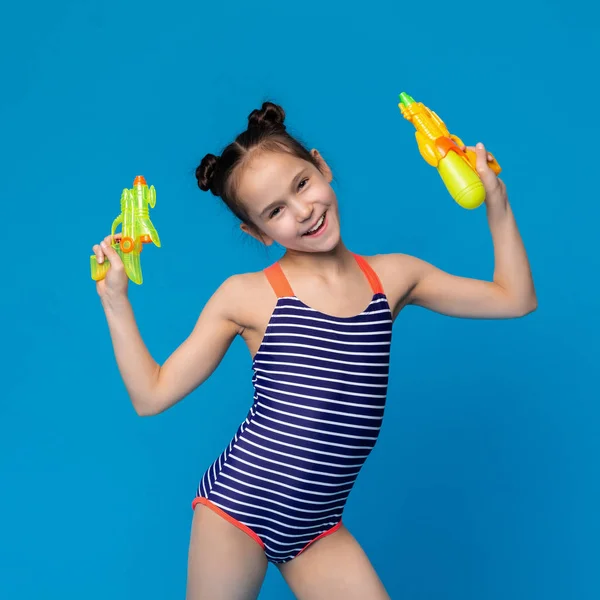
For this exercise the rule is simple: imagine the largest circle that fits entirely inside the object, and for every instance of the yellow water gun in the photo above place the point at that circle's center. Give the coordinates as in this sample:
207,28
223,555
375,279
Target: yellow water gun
444,151
136,230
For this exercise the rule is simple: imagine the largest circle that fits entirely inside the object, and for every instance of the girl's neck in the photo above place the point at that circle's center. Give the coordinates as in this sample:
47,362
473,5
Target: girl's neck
326,264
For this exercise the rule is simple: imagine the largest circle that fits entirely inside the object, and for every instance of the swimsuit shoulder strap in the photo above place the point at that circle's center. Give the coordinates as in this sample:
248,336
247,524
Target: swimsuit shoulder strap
278,281
370,274
282,287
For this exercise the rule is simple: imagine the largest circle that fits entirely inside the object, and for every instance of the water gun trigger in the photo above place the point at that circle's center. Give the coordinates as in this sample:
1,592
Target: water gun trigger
457,140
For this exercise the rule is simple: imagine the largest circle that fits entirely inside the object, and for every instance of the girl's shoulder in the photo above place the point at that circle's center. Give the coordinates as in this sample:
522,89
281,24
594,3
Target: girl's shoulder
390,265
397,273
249,296
244,284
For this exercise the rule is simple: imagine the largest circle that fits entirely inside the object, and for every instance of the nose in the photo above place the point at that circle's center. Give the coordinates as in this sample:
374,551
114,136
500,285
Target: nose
304,211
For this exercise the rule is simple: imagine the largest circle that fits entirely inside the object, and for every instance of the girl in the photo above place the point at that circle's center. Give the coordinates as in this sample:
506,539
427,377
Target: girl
318,326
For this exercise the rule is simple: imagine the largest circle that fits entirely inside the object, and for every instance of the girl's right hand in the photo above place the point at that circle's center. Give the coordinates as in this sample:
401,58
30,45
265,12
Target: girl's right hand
115,284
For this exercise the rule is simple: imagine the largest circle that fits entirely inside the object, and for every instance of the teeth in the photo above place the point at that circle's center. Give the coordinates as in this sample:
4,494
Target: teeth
319,223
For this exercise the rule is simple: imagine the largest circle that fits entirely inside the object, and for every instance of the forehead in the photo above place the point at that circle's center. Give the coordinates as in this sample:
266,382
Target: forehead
267,175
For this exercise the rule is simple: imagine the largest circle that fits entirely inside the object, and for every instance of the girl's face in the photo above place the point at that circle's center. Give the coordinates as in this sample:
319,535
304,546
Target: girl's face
290,201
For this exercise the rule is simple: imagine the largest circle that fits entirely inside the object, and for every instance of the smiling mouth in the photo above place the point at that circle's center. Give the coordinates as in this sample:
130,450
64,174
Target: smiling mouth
318,225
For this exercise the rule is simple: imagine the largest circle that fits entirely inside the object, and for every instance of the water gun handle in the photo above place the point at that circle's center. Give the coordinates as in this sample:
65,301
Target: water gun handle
492,164
99,270
472,157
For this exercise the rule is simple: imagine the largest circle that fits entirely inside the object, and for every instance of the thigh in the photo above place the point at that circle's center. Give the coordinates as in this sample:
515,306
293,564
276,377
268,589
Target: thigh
333,568
224,562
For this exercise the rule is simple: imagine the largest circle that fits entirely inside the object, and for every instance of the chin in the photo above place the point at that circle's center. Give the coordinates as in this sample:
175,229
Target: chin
326,246
332,243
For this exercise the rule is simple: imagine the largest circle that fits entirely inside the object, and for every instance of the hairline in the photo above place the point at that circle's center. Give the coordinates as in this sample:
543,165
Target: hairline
277,143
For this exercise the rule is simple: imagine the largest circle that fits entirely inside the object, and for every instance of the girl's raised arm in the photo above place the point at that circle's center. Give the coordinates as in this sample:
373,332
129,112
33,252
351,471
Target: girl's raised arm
154,388
510,293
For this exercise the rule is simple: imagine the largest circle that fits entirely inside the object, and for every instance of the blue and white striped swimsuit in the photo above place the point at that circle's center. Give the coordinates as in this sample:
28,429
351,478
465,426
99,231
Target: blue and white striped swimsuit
320,388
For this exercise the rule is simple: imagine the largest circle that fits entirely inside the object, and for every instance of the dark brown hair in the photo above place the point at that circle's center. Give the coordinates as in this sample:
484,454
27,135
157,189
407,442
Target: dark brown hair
266,132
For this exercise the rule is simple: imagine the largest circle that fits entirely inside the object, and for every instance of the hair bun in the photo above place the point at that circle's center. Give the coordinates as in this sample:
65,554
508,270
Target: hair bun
269,116
205,173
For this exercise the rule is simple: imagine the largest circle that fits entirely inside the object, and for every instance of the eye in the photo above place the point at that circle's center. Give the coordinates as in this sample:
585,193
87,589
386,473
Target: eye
303,183
274,213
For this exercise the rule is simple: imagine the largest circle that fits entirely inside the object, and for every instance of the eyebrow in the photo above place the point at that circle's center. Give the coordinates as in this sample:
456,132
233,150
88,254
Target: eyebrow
293,185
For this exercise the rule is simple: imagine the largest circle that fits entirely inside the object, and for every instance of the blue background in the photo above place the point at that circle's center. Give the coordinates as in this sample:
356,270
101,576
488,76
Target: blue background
485,482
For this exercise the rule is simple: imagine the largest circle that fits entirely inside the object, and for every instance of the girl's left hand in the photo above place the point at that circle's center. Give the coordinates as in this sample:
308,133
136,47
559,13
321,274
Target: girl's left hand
495,190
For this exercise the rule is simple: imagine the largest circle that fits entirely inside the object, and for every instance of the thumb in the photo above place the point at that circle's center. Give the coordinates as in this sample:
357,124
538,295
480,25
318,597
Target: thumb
112,255
488,177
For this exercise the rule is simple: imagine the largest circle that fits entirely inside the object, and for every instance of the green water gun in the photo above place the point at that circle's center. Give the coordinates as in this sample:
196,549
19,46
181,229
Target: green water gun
136,230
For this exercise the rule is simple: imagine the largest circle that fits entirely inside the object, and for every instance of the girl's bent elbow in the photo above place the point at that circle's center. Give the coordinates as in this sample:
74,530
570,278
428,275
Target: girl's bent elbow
145,408
527,308
154,405
533,304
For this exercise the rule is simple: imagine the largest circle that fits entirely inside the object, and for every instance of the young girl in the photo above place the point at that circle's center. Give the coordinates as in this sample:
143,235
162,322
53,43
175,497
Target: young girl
318,325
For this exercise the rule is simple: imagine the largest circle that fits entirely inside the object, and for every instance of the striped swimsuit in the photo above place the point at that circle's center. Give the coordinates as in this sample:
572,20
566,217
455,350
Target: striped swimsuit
320,386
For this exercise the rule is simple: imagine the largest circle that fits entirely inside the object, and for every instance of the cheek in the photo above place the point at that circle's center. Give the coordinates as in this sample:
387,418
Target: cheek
332,200
281,228
288,226
329,195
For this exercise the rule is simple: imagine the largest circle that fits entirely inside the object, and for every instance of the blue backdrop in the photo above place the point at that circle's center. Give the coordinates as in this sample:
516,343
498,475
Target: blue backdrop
485,482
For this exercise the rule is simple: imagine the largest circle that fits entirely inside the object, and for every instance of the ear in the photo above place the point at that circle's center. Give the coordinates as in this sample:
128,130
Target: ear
323,166
257,235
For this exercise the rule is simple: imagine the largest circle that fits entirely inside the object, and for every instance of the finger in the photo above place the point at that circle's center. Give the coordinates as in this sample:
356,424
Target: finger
482,157
100,249
98,253
488,177
110,239
490,157
111,254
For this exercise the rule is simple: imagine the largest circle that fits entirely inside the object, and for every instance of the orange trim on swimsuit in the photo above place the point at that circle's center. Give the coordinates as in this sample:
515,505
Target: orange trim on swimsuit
370,274
222,513
283,289
324,534
278,281
248,531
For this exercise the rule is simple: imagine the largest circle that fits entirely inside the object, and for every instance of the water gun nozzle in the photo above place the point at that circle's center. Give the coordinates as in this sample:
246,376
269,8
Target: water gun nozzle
405,99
